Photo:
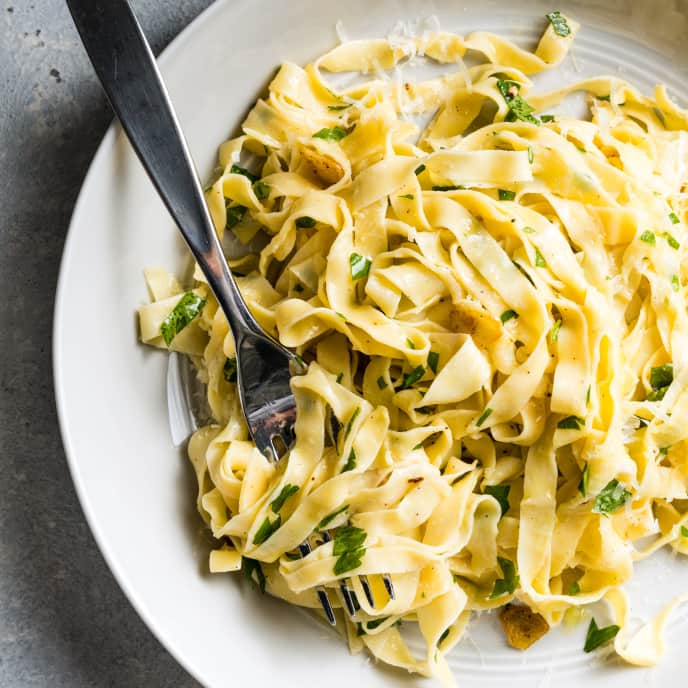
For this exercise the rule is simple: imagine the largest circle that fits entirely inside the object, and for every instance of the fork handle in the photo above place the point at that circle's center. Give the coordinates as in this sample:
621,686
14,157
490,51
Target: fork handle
127,70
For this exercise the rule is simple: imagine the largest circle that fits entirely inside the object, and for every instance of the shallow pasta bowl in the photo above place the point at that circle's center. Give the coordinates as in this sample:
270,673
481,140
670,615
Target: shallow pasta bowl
134,483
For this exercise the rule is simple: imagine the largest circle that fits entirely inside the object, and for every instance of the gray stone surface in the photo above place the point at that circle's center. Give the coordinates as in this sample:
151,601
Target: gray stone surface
63,619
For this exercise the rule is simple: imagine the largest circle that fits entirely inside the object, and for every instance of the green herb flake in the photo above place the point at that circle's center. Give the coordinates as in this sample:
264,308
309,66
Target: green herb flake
574,589
554,332
674,219
501,494
508,315
340,377
587,395
519,109
351,421
420,169
559,24
409,197
523,271
443,637
381,383
410,344
330,517
261,189
448,187
607,98
433,361
253,572
334,134
664,451
483,417
684,532
661,376
266,529
612,497
305,222
529,230
675,283
571,423
229,370
597,637
413,377
531,155
339,107
648,237
360,266
540,261
188,307
506,195
585,479
350,462
287,491
236,169
657,394
235,214
509,583
348,547
671,240
547,119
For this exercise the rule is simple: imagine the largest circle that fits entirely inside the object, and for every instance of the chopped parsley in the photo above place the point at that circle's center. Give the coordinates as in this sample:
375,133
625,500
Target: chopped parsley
448,187
330,517
253,572
509,583
410,197
287,491
585,479
410,344
587,395
529,230
360,266
261,189
433,360
547,118
413,377
381,383
305,222
483,417
571,423
599,636
339,107
350,462
675,282
443,637
574,589
660,378
612,497
519,109
188,307
648,237
334,134
559,24
340,377
266,529
235,214
540,261
674,219
420,169
508,315
348,548
671,240
684,532
229,370
350,422
236,169
501,494
506,195
531,155
554,332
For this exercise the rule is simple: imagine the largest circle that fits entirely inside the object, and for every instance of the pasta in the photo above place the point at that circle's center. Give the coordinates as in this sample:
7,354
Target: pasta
493,313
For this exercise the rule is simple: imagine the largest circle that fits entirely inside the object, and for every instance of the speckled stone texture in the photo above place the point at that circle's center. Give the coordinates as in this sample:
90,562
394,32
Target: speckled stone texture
64,622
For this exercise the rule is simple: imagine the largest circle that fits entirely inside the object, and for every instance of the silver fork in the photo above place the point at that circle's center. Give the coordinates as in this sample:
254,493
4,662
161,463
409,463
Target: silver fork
129,75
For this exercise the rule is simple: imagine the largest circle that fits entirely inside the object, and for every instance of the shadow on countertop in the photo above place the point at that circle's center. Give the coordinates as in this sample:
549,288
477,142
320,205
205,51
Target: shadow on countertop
63,621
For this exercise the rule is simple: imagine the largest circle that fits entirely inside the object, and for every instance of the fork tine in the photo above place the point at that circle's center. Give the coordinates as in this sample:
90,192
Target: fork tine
305,550
366,589
387,580
347,592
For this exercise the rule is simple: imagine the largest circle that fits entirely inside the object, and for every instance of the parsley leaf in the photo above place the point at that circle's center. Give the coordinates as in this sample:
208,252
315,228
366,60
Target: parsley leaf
235,214
540,261
305,222
287,491
508,315
410,197
674,219
598,636
261,189
229,370
348,547
684,532
559,24
360,266
188,307
585,479
251,567
350,462
509,583
413,377
236,169
671,240
420,169
519,109
574,589
661,376
675,283
433,360
266,530
501,494
334,134
612,497
571,423
547,118
448,187
483,417
506,195
350,422
554,332
339,107
330,517
381,384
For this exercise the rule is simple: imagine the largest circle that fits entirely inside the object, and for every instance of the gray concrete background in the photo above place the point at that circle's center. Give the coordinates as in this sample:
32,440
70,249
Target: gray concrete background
63,619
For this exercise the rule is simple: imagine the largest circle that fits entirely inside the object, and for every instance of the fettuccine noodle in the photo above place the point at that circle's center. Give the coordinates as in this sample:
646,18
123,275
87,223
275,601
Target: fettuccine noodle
493,314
